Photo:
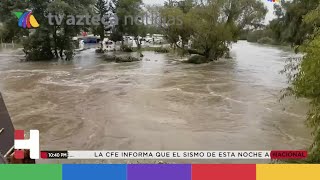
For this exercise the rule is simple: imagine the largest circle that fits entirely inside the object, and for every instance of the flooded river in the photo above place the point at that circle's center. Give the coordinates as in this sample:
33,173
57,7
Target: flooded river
156,104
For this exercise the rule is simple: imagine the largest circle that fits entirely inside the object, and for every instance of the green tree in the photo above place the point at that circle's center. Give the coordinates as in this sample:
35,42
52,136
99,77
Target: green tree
211,37
176,23
38,45
130,13
152,21
104,8
289,26
215,24
10,30
304,76
169,24
54,40
130,20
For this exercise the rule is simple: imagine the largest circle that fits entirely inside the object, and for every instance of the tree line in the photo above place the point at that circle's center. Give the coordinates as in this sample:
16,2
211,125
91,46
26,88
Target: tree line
288,28
210,25
51,41
297,25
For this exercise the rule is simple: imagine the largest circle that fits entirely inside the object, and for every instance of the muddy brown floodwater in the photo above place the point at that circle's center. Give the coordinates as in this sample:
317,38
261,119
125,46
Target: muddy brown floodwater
156,104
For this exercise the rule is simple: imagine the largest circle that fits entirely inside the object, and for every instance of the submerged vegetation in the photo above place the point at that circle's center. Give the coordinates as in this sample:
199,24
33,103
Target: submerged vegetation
120,59
162,50
197,59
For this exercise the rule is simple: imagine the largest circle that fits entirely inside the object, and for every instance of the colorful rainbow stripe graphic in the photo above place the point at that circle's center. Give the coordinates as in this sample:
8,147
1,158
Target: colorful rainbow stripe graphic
26,20
274,1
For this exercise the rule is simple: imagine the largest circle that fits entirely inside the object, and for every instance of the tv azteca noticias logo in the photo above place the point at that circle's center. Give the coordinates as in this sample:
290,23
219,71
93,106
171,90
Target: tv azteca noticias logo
31,144
26,20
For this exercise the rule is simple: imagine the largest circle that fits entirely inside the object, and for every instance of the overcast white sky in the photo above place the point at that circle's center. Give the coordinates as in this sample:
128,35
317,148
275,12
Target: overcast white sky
268,4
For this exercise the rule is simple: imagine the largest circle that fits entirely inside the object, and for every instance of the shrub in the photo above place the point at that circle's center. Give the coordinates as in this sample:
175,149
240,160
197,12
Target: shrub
99,51
197,59
37,50
126,48
161,50
109,57
119,59
126,59
36,54
266,40
194,51
254,36
69,54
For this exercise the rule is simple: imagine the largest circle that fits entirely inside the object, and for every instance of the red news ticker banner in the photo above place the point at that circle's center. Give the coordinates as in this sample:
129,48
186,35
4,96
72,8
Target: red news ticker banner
280,155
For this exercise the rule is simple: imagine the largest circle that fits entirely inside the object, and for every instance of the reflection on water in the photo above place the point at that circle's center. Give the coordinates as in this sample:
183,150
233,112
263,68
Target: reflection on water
156,104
